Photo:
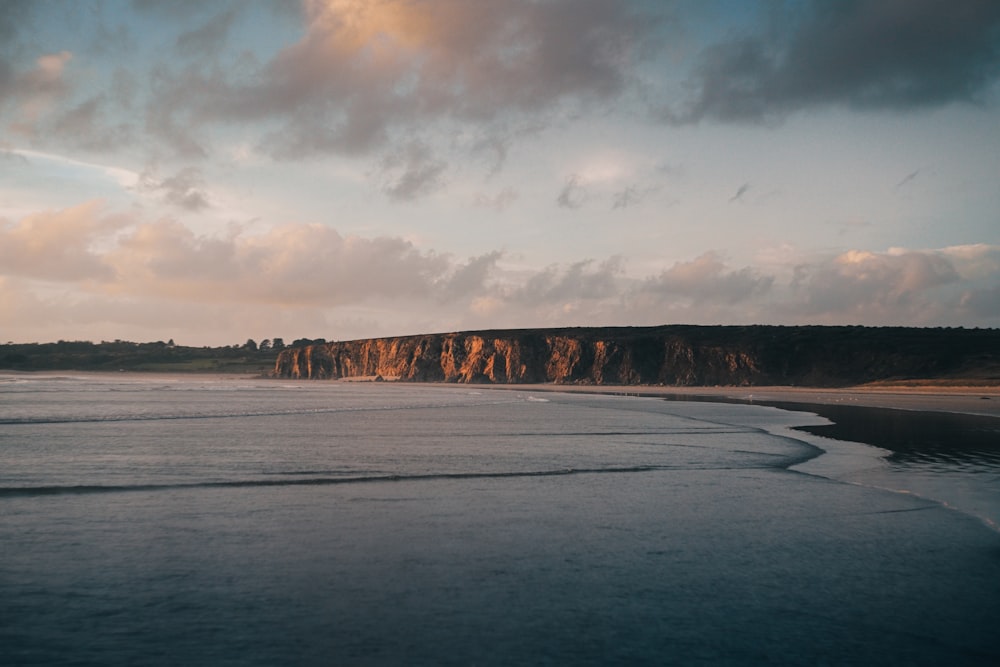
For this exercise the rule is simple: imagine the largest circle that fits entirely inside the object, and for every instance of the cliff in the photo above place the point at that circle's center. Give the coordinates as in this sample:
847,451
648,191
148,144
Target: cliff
668,355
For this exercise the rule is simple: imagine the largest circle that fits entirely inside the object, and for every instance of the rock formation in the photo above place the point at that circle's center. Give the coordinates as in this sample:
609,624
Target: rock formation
668,355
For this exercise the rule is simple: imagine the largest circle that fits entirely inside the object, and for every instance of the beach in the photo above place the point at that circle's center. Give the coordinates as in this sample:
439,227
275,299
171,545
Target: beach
980,400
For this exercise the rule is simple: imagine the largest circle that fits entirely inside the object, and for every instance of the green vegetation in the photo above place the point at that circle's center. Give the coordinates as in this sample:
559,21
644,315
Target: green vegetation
122,355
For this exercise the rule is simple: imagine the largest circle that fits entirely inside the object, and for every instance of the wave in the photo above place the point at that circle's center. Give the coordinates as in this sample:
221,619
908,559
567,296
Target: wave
89,419
82,489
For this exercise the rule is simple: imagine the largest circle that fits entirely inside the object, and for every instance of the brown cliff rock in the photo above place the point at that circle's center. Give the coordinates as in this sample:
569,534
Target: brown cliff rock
668,355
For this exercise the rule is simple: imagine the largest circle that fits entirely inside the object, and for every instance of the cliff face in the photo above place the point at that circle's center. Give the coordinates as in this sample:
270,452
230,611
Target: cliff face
669,355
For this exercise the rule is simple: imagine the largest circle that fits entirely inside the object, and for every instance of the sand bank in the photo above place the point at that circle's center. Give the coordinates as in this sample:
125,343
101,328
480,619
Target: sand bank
959,400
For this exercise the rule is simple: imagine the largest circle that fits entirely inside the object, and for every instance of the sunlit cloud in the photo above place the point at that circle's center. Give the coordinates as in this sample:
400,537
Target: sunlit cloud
115,259
59,245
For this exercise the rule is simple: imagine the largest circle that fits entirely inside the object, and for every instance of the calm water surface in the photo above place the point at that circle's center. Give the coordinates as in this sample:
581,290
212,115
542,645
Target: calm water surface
180,520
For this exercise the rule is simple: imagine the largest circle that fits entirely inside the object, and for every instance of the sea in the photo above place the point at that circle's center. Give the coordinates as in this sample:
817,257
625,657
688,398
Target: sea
213,520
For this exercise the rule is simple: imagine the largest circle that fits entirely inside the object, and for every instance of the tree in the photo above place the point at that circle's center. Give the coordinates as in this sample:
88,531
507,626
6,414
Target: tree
264,346
278,344
250,345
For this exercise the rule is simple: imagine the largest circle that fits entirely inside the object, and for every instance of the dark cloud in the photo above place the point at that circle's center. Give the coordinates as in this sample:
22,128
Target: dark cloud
864,54
907,179
632,195
572,194
742,190
184,190
411,172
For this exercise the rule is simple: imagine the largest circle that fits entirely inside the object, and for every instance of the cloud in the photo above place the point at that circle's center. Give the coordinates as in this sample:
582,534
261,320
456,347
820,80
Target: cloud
184,190
86,125
907,179
495,148
411,172
863,54
707,278
585,280
34,91
632,195
89,269
469,279
974,262
9,156
899,286
498,202
292,264
59,245
572,194
365,69
983,302
739,193
289,265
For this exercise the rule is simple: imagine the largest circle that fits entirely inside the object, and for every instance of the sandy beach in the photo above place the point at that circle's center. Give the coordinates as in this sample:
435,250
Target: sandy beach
959,400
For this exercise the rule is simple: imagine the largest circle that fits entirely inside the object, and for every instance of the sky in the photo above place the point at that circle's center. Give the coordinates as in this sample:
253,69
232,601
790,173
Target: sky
213,171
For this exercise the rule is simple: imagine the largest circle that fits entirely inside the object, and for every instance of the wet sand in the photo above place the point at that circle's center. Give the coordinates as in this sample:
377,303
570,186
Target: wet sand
961,400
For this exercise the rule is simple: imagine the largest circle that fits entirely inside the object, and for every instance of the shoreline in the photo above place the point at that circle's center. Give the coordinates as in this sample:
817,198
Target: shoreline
958,424
971,400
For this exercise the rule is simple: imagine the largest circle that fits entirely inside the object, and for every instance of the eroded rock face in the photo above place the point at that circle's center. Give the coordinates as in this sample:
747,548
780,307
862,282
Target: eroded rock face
668,355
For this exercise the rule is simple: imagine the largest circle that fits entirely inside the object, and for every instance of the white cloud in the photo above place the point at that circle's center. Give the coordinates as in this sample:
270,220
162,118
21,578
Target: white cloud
59,245
707,278
894,287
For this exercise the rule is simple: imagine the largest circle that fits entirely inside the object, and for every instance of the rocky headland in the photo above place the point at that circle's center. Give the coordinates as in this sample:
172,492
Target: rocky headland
673,355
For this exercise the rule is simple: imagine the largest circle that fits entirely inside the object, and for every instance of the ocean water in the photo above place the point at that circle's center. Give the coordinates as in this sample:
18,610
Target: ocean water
163,520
